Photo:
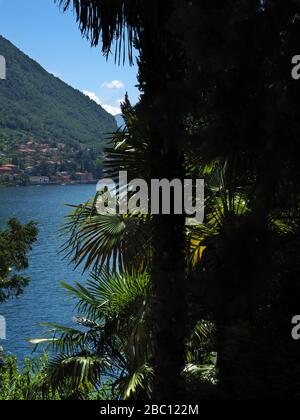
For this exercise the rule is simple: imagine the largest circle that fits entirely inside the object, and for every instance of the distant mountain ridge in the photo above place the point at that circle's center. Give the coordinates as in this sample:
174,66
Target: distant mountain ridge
35,104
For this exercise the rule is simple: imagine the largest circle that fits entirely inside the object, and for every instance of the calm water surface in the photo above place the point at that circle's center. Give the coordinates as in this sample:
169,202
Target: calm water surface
44,300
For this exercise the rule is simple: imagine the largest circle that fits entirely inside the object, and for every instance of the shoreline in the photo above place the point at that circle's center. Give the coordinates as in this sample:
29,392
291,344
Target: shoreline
49,185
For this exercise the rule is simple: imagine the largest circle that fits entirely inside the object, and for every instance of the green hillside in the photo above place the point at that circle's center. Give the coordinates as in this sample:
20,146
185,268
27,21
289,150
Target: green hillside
35,103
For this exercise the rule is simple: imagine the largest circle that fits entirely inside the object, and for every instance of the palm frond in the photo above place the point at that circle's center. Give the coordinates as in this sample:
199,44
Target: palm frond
113,241
78,370
196,237
113,334
63,339
108,295
129,149
109,22
224,201
139,381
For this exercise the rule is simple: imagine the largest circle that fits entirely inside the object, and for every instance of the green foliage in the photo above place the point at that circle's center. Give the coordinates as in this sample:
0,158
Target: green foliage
29,382
38,105
26,383
114,338
129,148
15,243
202,306
111,341
100,240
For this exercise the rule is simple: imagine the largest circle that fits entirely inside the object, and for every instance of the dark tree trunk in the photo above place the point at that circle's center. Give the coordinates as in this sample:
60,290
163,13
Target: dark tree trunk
168,301
162,70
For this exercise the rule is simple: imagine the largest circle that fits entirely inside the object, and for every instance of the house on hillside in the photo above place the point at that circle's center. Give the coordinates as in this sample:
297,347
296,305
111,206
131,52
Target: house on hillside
39,180
84,177
8,169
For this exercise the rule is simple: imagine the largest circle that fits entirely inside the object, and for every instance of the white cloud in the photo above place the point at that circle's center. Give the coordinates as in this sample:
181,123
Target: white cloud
114,84
92,96
113,110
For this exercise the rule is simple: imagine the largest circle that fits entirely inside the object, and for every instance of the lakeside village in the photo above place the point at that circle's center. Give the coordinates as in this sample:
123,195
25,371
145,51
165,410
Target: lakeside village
35,163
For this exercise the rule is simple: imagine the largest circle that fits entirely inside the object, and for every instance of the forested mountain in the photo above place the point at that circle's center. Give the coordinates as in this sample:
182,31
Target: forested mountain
35,103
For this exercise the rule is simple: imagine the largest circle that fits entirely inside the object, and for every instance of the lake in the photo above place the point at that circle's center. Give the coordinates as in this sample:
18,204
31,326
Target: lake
44,300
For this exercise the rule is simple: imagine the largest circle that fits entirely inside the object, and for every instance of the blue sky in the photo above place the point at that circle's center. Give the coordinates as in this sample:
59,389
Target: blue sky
52,38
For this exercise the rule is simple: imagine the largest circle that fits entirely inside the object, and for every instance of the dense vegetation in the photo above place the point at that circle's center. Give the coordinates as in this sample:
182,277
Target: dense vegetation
204,311
28,382
232,344
38,105
15,243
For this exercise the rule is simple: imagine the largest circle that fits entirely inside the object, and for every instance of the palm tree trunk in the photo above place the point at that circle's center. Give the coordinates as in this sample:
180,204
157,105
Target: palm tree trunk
168,313
168,299
168,305
161,75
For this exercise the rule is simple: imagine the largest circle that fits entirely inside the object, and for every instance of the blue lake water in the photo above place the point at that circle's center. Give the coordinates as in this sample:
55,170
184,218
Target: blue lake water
44,300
